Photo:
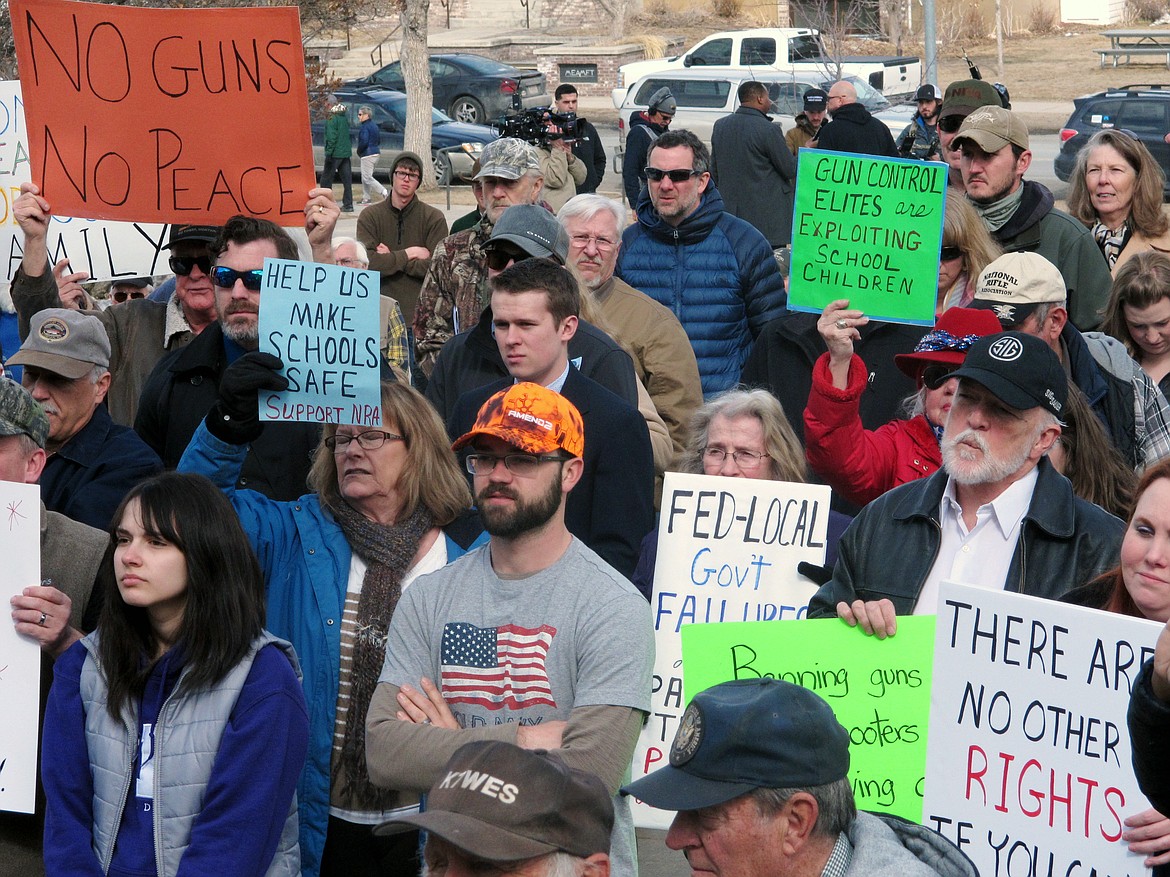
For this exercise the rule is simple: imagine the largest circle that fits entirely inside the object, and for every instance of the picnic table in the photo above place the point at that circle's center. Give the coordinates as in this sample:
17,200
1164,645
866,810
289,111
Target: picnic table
1136,42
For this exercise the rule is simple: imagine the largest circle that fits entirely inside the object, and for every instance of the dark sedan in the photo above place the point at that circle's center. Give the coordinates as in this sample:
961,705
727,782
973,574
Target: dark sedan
470,88
454,145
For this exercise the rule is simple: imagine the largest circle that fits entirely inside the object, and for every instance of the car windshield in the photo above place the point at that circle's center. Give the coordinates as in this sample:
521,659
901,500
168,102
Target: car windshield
479,64
868,96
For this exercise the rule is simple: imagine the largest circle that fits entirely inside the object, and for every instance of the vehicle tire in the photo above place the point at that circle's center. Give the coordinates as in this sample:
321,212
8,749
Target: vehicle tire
442,167
468,109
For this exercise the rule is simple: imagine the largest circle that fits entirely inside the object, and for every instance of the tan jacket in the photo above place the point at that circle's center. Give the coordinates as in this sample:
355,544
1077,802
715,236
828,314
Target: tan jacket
1139,243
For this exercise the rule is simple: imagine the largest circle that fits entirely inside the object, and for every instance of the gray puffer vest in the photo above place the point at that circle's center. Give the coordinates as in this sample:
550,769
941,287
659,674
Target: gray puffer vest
187,737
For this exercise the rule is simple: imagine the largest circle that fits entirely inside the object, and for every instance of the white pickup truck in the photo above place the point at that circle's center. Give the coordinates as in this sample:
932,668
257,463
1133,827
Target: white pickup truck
784,50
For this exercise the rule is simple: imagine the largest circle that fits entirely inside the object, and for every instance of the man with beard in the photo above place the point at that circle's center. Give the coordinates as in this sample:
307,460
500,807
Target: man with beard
997,515
532,639
994,156
535,306
186,384
961,99
919,139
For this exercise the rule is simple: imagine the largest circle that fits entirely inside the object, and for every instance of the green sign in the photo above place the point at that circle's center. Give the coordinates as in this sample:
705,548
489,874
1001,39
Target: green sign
868,230
879,690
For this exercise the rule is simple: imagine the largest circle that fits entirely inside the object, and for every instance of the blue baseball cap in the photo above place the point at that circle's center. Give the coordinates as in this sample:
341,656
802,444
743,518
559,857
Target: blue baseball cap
744,735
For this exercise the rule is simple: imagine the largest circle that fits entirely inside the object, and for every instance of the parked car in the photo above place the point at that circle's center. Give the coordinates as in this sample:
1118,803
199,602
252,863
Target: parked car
1143,110
705,95
766,51
470,88
454,145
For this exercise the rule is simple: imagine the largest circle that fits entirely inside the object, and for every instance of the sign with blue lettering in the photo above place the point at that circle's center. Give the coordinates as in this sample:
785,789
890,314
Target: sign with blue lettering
322,321
727,551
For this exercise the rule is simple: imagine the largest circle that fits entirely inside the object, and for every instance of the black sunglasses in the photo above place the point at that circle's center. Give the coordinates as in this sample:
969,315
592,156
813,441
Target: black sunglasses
122,295
950,124
182,265
225,278
499,258
676,176
934,376
946,254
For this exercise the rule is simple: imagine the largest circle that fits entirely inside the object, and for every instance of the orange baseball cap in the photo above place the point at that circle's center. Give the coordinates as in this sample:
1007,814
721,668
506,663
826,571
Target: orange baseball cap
535,419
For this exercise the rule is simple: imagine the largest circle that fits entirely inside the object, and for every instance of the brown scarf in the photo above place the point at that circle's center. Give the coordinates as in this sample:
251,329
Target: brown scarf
388,551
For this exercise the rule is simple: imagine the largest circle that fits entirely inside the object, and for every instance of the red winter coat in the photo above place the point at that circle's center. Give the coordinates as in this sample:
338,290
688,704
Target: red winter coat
858,463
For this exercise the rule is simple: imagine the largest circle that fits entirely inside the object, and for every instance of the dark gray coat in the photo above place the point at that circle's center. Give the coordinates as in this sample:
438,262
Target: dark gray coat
755,172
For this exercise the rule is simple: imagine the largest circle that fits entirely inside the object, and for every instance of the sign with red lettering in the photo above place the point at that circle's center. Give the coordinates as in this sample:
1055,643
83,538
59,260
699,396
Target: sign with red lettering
165,115
1028,756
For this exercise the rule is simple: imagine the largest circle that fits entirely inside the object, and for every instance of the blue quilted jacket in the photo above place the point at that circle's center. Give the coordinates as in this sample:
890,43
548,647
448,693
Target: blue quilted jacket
718,275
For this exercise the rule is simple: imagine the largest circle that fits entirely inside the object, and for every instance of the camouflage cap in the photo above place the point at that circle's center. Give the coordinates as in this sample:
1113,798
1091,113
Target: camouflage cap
20,414
509,158
533,418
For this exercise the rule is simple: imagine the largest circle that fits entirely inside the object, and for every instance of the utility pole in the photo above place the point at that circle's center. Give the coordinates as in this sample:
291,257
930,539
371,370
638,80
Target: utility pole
930,40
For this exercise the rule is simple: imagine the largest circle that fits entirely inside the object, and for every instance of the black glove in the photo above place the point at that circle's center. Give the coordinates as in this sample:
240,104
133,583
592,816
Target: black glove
235,418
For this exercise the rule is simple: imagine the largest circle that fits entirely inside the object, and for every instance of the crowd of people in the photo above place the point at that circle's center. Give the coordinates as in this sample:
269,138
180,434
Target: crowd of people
288,648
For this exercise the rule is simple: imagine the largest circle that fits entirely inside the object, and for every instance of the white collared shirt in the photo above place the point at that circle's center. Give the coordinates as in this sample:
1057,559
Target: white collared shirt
982,555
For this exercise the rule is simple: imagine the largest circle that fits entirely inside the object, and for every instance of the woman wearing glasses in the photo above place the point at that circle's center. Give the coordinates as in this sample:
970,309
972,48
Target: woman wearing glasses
1116,191
863,464
388,505
967,248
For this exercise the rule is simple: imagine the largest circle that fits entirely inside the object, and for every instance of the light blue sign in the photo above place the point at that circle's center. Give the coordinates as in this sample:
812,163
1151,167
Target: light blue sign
322,321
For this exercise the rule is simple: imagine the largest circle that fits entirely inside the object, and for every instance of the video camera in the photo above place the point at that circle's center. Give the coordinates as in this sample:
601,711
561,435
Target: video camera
532,126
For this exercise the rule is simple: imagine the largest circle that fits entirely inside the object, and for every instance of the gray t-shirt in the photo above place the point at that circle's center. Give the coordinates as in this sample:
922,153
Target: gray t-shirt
528,650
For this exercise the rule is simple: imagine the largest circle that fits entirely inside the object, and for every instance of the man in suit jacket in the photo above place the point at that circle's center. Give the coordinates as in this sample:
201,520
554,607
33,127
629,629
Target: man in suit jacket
534,309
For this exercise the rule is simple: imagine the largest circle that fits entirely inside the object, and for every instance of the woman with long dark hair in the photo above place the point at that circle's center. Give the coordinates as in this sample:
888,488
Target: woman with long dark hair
175,733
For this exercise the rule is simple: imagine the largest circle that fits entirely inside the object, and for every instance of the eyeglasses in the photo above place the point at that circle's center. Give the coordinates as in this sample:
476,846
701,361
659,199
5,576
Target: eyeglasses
745,460
122,295
499,258
370,440
655,174
581,241
225,278
524,465
947,254
350,263
934,376
183,265
407,175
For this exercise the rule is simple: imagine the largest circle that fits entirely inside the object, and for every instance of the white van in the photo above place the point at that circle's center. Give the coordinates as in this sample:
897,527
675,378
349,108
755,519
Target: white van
705,95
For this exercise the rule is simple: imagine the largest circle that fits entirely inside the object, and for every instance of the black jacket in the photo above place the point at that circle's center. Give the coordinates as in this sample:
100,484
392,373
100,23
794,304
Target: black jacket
1149,727
853,129
179,393
612,507
472,359
591,152
642,134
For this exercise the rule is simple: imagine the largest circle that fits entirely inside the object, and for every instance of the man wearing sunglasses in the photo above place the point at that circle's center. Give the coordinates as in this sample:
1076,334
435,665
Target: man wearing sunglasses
960,100
715,271
212,377
532,639
141,332
122,291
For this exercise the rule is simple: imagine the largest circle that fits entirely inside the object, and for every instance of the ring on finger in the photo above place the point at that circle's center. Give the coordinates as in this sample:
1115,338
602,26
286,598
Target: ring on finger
841,324
44,618
426,721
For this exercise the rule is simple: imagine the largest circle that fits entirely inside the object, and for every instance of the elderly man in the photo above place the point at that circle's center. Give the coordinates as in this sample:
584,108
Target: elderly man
92,461
713,270
645,128
853,129
569,642
919,139
401,232
187,383
54,613
140,333
535,307
588,147
545,817
454,292
994,156
1027,294
997,514
752,166
759,775
393,341
809,123
472,359
663,359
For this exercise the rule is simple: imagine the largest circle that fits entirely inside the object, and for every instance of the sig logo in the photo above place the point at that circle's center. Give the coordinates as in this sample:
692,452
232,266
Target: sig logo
1006,349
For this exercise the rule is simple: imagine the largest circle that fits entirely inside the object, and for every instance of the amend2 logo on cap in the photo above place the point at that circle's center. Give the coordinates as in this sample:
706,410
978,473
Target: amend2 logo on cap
1006,349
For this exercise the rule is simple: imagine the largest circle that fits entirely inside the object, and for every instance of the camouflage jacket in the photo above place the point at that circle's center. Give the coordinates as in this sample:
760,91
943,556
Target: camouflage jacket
454,291
919,141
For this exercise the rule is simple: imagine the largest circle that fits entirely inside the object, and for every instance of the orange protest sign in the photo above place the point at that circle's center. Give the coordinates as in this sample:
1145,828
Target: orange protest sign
165,115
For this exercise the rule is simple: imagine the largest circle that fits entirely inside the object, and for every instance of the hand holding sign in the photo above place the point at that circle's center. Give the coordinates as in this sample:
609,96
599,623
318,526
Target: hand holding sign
875,617
236,416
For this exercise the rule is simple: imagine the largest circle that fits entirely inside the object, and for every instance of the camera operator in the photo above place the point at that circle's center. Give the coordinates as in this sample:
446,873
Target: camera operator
587,147
563,171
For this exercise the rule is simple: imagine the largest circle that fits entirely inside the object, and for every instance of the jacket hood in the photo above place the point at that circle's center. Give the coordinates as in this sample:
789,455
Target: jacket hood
888,844
1035,204
855,114
694,228
404,156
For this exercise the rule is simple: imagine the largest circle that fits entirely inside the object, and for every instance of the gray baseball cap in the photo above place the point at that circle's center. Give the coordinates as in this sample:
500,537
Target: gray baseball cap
534,230
509,158
64,342
662,101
